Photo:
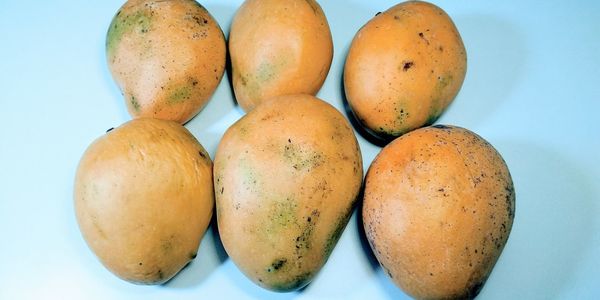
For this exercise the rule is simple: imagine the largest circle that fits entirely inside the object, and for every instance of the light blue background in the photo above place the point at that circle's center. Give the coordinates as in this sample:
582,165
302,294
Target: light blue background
532,89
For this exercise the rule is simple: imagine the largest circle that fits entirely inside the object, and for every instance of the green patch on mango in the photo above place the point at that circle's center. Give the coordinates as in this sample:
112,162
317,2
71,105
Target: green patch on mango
433,116
135,104
335,235
265,72
248,174
340,225
180,94
390,133
296,282
123,24
301,158
283,213
443,82
303,242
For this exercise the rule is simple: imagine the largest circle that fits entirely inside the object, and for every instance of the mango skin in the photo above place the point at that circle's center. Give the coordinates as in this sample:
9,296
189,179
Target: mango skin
287,176
438,209
404,67
278,47
167,57
143,199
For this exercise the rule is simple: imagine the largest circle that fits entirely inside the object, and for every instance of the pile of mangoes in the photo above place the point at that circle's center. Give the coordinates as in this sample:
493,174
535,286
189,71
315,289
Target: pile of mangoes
438,201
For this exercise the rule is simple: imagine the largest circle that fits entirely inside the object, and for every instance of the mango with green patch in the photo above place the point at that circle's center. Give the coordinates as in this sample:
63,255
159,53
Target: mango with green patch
278,47
286,175
144,198
167,57
404,67
438,208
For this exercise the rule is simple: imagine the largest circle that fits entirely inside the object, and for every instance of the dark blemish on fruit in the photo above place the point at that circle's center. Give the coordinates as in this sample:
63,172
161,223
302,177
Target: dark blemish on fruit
198,20
439,126
160,274
277,264
396,18
422,36
243,80
430,274
378,13
432,118
407,65
200,34
443,81
303,242
136,105
167,246
202,154
140,264
509,201
313,5
222,190
110,129
473,291
308,219
387,271
441,48
302,159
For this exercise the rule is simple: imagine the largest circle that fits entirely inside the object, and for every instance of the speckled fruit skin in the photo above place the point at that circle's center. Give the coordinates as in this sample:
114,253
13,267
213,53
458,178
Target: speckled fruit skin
287,176
438,208
143,198
167,57
404,67
278,47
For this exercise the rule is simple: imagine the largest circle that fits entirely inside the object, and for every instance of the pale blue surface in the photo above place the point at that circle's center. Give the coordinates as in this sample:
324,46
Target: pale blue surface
532,90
